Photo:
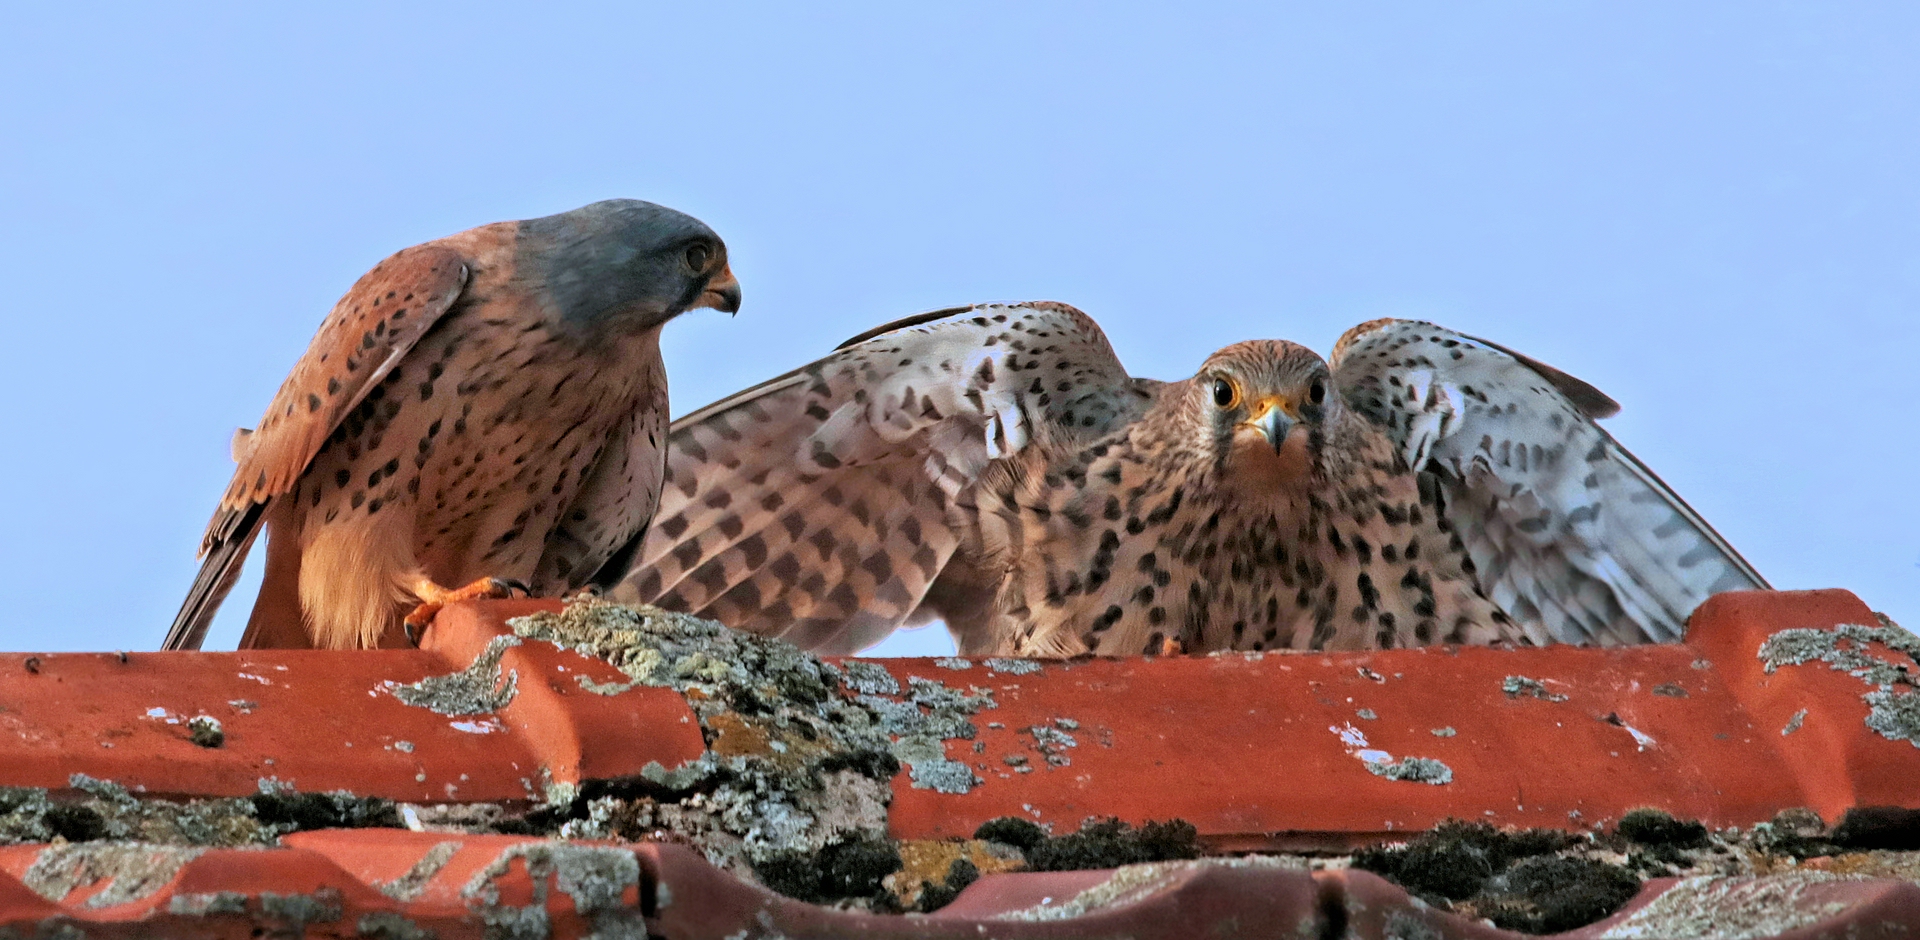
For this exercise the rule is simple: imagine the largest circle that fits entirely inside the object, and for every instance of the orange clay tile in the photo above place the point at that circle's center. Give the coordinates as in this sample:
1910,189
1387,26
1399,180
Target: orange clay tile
323,721
383,883
1275,750
1255,751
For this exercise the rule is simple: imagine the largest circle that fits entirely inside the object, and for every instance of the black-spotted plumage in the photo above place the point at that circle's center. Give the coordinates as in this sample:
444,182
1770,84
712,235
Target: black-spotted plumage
997,468
484,408
1570,532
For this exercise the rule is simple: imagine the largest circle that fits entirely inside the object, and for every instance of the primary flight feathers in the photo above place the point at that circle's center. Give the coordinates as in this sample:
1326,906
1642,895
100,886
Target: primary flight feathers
997,468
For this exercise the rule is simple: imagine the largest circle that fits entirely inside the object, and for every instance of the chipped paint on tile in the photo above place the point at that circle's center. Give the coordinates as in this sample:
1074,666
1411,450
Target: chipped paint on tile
1355,742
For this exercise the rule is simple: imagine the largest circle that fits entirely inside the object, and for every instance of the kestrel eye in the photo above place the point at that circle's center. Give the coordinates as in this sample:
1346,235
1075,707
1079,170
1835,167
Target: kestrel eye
1224,394
1318,392
697,257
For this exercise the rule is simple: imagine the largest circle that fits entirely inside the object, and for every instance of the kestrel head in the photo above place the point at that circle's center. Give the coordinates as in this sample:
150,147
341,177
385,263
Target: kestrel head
623,265
1265,402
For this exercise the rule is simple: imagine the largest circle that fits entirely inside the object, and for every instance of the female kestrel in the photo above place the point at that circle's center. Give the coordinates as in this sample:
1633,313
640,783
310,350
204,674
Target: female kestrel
480,411
996,467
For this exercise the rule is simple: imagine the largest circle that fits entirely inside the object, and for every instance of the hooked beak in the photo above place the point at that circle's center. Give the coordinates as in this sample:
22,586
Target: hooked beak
722,293
1271,420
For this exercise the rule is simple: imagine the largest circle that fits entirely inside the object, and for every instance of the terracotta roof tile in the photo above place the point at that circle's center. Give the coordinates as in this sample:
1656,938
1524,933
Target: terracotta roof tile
324,721
1256,752
371,883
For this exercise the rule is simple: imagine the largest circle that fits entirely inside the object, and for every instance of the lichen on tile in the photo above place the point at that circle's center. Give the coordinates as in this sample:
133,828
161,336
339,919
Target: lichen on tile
1741,908
1416,769
1516,686
793,763
476,690
1013,667
1893,704
1052,741
131,870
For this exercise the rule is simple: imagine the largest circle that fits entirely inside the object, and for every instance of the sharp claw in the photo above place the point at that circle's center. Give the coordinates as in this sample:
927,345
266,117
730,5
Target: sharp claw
506,587
417,621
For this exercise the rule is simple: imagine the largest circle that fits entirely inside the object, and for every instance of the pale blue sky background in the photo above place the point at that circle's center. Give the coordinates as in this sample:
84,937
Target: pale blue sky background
1709,210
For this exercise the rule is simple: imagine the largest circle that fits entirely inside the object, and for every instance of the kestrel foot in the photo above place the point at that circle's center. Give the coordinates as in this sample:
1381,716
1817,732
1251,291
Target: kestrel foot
433,597
1171,646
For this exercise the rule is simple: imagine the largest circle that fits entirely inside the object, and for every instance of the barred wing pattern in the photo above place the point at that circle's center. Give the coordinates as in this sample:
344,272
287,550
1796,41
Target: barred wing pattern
1570,533
822,506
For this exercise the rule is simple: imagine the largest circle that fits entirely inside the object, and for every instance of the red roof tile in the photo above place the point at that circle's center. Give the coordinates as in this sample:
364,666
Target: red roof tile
320,720
398,884
1271,751
1255,751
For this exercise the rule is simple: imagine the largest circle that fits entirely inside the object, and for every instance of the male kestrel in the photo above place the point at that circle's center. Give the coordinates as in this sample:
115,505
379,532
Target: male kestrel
995,467
478,412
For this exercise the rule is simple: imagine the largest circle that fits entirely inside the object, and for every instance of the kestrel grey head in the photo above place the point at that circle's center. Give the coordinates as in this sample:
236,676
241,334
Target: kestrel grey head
625,265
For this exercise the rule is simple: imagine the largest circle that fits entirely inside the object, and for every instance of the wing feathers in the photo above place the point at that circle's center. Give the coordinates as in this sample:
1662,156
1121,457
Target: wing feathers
357,348
1570,533
821,505
218,572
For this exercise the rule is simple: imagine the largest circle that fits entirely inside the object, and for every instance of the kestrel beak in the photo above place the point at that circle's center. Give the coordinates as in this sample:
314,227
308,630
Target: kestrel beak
1270,418
722,293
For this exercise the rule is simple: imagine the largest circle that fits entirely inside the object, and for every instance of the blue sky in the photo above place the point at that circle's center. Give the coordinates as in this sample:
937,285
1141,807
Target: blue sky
1709,210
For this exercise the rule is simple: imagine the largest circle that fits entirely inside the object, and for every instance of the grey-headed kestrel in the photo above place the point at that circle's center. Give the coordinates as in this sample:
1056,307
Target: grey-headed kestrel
478,412
995,467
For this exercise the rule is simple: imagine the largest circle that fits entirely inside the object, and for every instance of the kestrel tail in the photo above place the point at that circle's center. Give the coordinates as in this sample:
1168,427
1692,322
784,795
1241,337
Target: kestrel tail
995,467
483,410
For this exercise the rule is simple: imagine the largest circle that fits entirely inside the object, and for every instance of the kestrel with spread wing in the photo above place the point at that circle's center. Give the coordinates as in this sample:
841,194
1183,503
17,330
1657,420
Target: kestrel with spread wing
478,412
997,468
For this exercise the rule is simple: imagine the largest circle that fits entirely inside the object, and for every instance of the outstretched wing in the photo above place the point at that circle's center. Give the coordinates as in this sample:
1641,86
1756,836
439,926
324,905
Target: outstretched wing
1567,529
365,336
821,506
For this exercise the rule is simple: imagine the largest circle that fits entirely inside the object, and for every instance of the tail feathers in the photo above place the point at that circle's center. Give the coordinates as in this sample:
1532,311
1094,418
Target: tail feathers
218,572
277,621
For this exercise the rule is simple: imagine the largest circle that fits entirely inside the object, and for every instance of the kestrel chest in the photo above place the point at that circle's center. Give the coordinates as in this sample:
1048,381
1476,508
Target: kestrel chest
1133,560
